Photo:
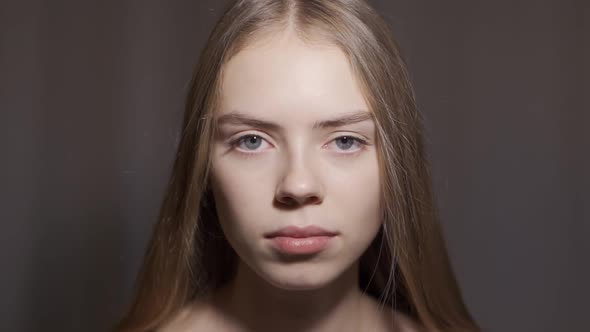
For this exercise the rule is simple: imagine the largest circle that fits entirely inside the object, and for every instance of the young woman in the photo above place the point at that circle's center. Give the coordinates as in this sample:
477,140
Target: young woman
300,198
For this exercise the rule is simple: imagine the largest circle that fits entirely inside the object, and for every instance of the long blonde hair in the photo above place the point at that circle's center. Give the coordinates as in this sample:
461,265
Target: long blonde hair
406,266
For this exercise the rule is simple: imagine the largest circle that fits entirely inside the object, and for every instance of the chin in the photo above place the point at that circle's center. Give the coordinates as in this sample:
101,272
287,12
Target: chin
299,277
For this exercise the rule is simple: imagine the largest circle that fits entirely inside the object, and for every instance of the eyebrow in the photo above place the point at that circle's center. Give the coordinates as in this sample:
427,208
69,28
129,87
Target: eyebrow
236,117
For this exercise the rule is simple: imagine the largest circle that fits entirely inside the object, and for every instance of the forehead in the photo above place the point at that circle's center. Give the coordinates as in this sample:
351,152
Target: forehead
286,78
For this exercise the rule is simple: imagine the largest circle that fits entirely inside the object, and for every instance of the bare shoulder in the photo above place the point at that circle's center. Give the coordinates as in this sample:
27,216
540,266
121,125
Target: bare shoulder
404,323
391,320
186,319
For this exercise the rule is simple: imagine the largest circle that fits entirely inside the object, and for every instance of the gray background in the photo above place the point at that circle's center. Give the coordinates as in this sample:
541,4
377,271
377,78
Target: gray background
91,100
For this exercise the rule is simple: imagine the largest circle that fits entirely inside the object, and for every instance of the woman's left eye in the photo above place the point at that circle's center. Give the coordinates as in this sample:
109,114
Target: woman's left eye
347,142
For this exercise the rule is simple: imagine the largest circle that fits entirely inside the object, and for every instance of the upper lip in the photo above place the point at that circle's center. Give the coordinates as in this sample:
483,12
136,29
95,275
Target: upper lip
300,232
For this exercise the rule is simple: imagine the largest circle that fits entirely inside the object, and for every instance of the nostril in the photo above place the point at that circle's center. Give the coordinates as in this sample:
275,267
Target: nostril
291,201
288,201
312,200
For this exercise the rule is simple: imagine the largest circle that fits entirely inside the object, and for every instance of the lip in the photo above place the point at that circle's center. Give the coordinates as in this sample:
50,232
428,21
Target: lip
300,232
293,240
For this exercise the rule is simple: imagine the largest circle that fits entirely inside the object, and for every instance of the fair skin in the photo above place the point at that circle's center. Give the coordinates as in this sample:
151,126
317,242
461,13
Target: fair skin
293,173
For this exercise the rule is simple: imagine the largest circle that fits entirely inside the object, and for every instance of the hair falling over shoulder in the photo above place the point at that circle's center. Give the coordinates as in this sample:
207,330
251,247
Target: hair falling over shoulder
407,265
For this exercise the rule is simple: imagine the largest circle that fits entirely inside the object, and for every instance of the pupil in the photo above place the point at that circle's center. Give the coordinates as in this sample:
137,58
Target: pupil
253,142
346,140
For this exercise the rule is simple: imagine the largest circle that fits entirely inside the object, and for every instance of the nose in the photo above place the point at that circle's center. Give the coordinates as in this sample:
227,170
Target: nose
299,185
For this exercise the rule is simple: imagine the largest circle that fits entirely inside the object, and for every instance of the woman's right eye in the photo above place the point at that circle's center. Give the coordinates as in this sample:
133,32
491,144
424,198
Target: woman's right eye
250,142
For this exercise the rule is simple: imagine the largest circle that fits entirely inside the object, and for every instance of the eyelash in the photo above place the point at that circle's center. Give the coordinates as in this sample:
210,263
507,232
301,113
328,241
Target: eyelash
363,144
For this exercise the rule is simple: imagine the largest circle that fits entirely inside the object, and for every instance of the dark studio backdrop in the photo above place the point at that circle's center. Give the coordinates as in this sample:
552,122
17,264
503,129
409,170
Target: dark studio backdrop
91,99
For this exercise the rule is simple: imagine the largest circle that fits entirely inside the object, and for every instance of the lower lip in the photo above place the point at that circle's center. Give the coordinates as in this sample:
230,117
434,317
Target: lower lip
300,246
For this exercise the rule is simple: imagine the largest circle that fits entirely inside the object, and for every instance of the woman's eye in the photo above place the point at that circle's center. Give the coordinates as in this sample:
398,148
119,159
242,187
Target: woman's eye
345,143
248,142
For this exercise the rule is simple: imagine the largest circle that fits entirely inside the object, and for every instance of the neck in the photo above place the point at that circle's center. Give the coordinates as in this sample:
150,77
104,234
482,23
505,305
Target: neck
253,304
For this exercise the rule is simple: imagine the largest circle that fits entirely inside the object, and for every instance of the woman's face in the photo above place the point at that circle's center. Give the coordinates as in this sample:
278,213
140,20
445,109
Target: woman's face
280,161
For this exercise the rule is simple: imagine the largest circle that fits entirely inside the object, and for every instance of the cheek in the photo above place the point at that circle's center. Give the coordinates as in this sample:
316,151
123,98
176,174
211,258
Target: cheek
357,203
240,196
360,202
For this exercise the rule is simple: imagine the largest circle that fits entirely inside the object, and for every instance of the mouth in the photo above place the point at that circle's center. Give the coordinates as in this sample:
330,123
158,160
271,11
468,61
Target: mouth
301,232
294,240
